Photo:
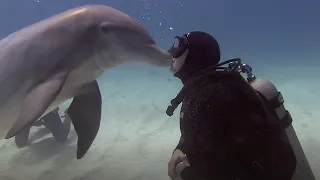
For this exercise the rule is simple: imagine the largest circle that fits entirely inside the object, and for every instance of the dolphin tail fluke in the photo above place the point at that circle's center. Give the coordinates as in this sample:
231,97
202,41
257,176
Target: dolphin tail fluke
85,114
37,101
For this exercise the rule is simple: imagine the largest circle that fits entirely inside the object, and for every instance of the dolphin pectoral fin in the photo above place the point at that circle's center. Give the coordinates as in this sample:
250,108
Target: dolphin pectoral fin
37,101
85,114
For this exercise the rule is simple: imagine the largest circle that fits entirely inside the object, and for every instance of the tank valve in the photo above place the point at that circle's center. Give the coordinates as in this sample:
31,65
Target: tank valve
245,68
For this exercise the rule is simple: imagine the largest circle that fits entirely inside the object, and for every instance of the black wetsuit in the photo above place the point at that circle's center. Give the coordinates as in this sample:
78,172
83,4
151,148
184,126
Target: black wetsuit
225,134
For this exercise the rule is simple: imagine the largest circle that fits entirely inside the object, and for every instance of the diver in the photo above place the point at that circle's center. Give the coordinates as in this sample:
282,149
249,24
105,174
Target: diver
60,130
226,131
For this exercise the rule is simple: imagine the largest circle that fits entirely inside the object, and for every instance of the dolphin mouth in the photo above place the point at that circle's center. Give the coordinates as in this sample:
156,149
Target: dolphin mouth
133,45
159,56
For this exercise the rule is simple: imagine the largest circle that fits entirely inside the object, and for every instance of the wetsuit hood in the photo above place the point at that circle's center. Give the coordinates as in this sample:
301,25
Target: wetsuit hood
203,51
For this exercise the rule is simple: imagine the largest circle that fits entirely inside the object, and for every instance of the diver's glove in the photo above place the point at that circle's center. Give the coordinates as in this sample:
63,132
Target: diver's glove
176,164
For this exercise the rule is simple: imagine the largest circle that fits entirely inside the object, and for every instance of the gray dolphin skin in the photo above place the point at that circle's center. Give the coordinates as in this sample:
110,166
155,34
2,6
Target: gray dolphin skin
60,58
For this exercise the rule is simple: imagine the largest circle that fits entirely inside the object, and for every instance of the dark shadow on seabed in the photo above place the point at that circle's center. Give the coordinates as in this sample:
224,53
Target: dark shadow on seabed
45,149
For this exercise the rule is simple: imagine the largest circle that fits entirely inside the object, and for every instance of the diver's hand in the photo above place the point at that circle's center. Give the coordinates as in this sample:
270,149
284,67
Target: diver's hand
183,163
177,157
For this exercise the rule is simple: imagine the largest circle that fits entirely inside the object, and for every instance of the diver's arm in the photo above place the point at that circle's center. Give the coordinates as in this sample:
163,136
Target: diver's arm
174,160
180,146
209,108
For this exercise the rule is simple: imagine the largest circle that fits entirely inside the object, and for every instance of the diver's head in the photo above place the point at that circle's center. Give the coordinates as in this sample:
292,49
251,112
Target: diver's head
192,53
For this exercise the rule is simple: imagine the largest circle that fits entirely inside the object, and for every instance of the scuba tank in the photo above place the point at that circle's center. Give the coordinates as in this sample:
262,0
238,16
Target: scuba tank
274,102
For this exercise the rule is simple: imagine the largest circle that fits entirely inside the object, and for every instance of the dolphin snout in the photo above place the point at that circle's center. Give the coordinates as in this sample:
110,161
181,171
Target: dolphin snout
161,57
167,58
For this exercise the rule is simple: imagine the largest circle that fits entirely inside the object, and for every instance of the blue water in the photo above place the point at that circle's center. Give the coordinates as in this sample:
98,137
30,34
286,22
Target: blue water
279,38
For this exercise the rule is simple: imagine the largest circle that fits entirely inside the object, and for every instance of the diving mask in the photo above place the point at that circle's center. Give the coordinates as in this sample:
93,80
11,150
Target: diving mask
179,46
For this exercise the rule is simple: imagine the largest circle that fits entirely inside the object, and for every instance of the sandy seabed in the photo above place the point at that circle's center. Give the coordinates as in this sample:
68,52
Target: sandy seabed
136,137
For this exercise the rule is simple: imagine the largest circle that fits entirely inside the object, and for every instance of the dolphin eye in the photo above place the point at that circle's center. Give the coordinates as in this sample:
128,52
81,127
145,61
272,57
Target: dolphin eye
148,40
151,41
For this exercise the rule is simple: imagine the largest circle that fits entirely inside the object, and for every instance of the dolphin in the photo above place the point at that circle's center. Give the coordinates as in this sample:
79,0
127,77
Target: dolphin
60,58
